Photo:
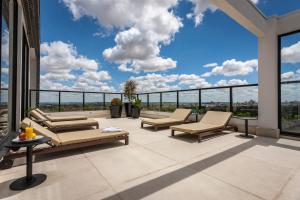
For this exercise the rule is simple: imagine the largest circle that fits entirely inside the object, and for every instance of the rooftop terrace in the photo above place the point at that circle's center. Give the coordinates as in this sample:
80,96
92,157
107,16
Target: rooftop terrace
157,166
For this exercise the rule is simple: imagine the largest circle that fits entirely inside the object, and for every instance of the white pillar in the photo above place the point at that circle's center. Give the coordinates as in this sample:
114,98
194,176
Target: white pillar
268,82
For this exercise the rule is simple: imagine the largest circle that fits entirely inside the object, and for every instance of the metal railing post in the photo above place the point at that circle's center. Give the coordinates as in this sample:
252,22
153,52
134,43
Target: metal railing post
160,105
37,96
59,101
147,101
30,98
230,99
104,106
83,101
200,100
177,99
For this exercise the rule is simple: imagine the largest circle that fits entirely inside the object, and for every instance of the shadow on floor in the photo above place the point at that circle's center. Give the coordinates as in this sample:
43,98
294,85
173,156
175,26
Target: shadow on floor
74,152
190,138
147,188
4,192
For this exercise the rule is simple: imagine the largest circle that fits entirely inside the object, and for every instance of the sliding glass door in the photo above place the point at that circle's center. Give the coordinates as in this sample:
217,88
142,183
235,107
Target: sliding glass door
289,90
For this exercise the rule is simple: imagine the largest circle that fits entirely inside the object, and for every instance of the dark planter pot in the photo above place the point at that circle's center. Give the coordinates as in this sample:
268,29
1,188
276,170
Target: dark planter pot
135,112
128,108
115,111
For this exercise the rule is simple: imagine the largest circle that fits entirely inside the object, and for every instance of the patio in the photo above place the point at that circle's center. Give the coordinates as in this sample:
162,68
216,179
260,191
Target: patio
157,166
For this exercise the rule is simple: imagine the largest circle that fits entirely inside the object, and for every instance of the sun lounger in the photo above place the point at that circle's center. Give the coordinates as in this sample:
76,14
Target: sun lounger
59,118
212,121
63,125
70,140
179,116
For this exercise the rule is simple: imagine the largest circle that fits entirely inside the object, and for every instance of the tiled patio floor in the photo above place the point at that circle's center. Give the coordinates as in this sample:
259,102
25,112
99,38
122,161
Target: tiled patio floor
157,166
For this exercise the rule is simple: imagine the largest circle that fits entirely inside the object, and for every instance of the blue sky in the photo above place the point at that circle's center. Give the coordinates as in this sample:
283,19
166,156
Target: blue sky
83,49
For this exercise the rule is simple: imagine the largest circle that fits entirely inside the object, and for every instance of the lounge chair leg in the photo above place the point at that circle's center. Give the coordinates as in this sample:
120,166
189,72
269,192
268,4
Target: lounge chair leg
155,128
142,125
172,132
97,127
199,138
127,140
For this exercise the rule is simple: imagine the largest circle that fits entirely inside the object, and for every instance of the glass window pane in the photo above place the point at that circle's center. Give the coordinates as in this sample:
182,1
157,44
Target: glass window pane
290,107
71,101
48,101
290,91
215,99
109,97
169,101
154,101
189,99
4,77
93,101
143,98
245,101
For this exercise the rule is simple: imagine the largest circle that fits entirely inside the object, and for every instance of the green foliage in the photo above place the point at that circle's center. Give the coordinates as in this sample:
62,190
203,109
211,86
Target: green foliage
130,90
116,102
137,103
29,110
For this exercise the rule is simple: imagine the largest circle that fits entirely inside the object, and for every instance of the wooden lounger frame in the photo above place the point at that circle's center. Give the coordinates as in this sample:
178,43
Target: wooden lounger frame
156,126
55,130
52,148
207,133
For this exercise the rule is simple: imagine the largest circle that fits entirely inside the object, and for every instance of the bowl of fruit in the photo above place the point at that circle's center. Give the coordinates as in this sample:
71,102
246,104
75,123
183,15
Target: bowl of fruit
27,136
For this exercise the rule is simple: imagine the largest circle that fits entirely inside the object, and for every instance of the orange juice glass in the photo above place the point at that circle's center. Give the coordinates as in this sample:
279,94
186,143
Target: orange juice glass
29,133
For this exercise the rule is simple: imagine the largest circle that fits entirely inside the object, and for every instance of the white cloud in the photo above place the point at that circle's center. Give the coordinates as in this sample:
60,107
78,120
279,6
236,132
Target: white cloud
64,68
231,82
291,54
153,64
202,6
124,68
290,76
155,82
5,46
59,57
193,81
164,82
210,65
144,26
255,1
287,75
5,71
233,68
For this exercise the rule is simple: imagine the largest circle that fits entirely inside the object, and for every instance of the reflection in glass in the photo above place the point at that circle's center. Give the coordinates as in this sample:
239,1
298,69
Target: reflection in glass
290,107
4,77
290,91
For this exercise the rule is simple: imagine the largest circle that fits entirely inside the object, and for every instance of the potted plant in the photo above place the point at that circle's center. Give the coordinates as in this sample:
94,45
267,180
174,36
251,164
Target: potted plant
129,94
136,108
116,108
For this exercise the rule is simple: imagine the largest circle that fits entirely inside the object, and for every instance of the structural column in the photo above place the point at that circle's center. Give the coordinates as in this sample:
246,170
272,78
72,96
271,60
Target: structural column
268,81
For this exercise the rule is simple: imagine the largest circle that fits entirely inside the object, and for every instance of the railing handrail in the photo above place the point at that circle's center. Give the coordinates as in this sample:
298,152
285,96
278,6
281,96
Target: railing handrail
74,91
204,88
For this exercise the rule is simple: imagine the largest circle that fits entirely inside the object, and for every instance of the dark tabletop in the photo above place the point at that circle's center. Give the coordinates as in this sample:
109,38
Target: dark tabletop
28,143
245,118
